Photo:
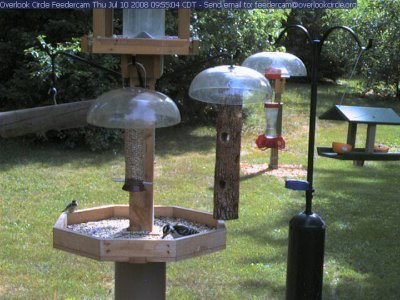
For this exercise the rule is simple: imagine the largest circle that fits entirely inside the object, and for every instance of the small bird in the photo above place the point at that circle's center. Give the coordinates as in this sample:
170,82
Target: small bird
178,230
70,208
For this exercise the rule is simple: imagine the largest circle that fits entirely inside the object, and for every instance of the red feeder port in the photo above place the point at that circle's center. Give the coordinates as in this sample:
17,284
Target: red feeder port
263,142
276,73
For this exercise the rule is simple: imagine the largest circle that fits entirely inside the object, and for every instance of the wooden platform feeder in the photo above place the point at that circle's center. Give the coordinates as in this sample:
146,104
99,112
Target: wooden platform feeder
354,115
139,250
140,265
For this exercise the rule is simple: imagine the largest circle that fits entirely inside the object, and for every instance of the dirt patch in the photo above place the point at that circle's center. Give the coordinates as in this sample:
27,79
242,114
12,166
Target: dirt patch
283,171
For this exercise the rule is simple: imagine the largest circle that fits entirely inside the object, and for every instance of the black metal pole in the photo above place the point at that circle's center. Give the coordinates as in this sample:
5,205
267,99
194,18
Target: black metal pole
306,245
307,230
316,44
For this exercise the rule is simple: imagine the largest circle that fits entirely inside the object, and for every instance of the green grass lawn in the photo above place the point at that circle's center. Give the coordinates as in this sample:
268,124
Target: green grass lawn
359,205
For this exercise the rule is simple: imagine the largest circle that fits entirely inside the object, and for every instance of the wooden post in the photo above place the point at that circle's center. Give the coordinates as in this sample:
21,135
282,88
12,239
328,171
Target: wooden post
279,88
140,281
153,65
103,22
141,211
351,140
184,23
227,164
371,132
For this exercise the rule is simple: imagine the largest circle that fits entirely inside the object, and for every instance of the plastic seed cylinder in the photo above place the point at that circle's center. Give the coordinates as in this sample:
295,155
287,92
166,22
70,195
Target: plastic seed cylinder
134,160
144,23
271,116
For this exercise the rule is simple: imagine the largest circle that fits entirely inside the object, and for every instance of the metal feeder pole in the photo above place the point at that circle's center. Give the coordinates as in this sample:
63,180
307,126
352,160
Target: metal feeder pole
307,230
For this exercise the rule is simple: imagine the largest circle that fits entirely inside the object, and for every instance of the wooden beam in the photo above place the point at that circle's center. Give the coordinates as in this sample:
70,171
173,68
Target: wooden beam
102,22
141,46
184,23
41,119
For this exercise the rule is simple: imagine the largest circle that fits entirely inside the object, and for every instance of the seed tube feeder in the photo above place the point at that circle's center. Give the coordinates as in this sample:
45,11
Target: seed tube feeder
277,66
139,112
229,87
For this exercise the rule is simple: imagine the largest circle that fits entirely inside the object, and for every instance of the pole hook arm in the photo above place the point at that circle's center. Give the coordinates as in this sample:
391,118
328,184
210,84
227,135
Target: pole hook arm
299,27
352,33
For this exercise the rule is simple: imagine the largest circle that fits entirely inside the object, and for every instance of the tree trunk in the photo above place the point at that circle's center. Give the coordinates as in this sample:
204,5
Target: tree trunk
227,164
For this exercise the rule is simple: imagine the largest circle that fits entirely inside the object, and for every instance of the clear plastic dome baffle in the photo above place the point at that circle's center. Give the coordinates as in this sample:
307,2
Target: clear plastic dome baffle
287,64
230,85
133,108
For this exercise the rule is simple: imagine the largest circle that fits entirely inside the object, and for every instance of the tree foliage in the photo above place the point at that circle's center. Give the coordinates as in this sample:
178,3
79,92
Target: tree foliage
379,20
28,38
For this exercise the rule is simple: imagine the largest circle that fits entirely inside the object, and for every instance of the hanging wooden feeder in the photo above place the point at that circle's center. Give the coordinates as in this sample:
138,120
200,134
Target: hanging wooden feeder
103,39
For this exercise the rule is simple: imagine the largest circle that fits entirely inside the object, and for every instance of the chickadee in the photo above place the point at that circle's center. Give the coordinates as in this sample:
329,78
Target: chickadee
178,230
70,208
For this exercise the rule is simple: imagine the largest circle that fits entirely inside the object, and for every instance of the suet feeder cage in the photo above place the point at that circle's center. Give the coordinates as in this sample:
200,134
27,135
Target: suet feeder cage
229,87
277,66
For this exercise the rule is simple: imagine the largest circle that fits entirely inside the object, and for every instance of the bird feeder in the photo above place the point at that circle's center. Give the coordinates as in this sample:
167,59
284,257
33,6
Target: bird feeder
140,264
229,87
271,138
143,33
354,115
139,112
143,36
276,66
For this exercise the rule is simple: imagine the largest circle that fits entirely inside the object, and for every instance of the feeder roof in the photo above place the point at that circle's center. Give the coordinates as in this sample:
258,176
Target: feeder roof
230,85
289,64
133,108
359,114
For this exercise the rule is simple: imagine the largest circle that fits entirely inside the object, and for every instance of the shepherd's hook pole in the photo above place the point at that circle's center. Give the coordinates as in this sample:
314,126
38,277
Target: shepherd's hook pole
307,229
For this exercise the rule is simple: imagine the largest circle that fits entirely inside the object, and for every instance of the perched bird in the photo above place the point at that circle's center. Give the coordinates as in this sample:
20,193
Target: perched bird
178,230
70,208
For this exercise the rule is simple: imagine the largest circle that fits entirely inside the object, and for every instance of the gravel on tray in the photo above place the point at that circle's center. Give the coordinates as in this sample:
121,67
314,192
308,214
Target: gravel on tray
116,228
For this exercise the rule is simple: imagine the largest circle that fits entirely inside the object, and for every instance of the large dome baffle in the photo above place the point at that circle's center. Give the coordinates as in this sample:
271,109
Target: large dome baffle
229,87
276,66
354,115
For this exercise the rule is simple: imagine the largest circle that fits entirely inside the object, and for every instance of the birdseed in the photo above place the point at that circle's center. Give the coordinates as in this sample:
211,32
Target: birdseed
117,228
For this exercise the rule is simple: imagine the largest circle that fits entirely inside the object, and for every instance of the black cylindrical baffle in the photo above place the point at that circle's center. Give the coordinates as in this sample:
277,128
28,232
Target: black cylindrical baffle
305,257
